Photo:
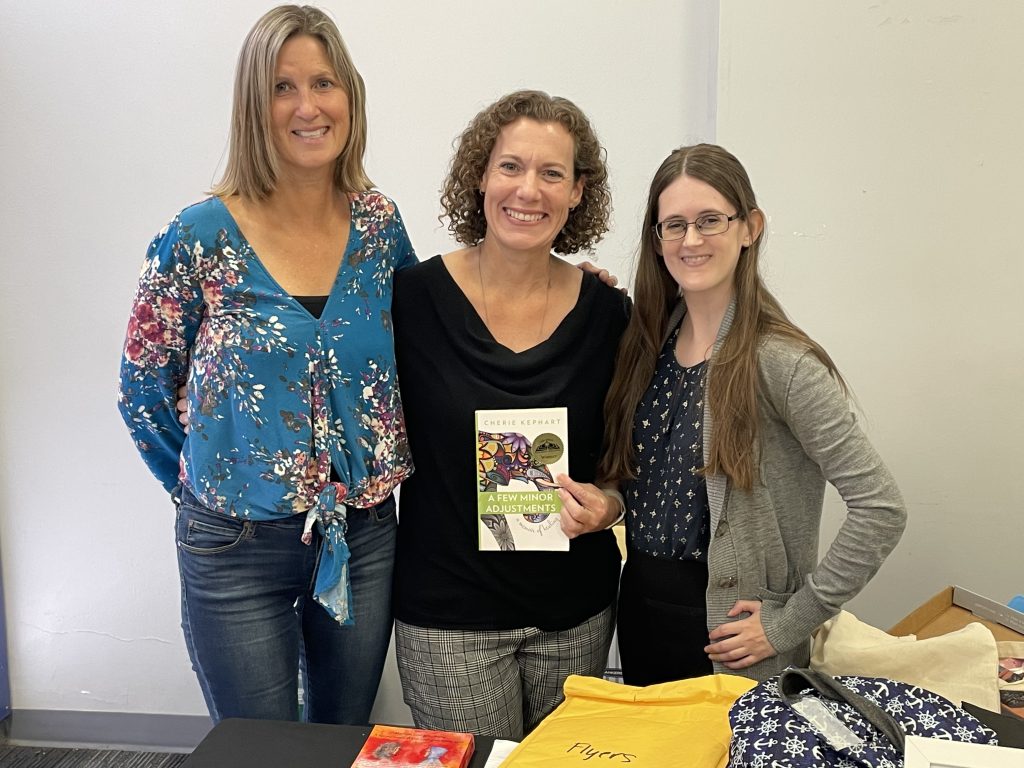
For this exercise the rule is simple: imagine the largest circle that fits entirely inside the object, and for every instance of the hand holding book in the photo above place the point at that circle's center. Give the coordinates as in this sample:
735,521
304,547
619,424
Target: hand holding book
587,508
518,453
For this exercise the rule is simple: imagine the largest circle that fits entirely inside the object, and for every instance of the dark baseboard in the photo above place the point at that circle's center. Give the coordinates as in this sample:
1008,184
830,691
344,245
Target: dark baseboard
152,733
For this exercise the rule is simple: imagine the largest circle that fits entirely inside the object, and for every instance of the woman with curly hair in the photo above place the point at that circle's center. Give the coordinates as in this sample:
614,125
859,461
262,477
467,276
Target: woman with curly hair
485,640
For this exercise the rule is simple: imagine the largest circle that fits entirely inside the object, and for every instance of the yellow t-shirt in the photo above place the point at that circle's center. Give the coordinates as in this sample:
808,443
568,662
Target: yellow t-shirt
602,724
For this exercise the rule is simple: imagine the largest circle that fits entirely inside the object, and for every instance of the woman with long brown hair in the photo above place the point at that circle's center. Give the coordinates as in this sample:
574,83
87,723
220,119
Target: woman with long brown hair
724,420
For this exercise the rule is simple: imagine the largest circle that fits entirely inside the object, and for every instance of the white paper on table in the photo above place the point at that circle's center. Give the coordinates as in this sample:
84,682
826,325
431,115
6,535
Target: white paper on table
920,752
502,748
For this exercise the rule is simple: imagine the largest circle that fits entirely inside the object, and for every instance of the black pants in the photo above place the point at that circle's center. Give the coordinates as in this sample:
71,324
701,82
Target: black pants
662,619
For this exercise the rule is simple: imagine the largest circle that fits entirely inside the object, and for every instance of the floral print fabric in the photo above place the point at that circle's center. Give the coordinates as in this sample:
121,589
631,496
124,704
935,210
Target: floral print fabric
275,395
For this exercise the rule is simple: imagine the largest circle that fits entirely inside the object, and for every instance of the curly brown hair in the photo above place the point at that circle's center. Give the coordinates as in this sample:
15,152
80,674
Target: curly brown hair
462,200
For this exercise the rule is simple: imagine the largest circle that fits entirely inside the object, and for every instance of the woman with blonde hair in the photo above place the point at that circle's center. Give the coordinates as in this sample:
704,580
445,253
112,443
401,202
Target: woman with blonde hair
271,302
724,420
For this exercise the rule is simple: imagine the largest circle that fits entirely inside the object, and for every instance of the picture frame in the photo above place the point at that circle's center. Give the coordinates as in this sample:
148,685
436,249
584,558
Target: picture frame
920,752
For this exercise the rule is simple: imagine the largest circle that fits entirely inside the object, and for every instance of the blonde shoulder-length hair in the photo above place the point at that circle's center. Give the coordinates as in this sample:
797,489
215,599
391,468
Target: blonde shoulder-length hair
252,165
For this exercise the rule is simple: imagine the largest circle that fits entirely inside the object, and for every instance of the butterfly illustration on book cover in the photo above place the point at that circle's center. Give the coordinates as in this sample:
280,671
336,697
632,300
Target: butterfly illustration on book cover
515,479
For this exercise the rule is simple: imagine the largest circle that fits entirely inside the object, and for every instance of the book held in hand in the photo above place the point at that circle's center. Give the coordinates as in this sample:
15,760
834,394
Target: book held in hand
390,746
519,454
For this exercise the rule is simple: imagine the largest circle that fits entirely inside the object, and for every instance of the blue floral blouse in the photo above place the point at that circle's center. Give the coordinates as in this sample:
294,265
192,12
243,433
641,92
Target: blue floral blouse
275,395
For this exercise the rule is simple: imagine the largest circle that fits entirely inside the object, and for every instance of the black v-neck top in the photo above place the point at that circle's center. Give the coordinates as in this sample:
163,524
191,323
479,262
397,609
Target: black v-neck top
449,366
315,305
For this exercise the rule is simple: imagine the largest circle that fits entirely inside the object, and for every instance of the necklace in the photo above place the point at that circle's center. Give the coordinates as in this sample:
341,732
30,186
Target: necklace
483,295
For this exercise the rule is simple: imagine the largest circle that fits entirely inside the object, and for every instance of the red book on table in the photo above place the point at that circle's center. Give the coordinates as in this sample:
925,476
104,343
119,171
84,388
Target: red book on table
390,746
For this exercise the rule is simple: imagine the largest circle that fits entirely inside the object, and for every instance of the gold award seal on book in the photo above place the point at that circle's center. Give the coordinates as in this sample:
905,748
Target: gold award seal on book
547,448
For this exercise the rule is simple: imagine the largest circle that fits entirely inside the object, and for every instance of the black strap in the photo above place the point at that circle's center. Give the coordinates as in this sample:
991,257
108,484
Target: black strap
792,681
674,318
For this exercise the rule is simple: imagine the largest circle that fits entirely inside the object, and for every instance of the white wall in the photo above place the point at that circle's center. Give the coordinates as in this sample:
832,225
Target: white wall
883,138
115,116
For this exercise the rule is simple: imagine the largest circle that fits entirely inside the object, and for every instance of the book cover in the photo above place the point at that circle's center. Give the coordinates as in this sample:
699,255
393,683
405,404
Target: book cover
390,746
519,453
1011,682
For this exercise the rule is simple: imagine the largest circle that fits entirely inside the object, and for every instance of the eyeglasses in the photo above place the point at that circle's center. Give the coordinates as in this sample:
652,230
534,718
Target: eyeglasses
708,224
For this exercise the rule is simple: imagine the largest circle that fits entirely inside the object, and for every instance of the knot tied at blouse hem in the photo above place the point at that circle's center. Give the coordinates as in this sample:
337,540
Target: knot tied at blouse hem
333,588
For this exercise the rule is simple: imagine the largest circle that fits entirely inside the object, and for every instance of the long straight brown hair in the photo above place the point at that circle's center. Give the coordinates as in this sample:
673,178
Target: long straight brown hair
732,370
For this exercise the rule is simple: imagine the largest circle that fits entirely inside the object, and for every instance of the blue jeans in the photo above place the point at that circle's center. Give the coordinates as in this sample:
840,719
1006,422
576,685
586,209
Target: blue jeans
250,620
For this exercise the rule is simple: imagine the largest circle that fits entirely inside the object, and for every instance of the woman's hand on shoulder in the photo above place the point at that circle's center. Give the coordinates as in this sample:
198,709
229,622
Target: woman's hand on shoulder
603,275
585,507
181,405
742,643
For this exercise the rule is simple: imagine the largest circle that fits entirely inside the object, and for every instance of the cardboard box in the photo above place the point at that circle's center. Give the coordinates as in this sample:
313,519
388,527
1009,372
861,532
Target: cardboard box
954,608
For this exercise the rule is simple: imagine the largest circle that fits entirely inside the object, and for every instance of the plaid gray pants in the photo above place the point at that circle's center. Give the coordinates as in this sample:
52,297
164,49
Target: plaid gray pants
495,682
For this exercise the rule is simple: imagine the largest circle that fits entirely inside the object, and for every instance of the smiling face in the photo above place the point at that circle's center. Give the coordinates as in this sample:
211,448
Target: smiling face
528,185
703,265
309,109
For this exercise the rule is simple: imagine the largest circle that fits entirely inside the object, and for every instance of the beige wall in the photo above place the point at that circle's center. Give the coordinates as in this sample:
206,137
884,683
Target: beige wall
883,139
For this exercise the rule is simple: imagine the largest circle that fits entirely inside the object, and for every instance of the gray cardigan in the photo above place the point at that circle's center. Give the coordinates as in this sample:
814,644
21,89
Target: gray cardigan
764,542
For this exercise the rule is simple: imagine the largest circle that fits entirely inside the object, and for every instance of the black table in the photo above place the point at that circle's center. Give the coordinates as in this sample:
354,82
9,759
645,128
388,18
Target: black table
236,743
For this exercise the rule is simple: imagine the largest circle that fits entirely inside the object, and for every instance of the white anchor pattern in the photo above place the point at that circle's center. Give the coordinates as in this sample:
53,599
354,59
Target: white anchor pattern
769,733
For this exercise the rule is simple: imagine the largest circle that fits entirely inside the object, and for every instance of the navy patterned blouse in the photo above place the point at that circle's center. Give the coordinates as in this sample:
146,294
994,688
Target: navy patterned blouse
667,504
